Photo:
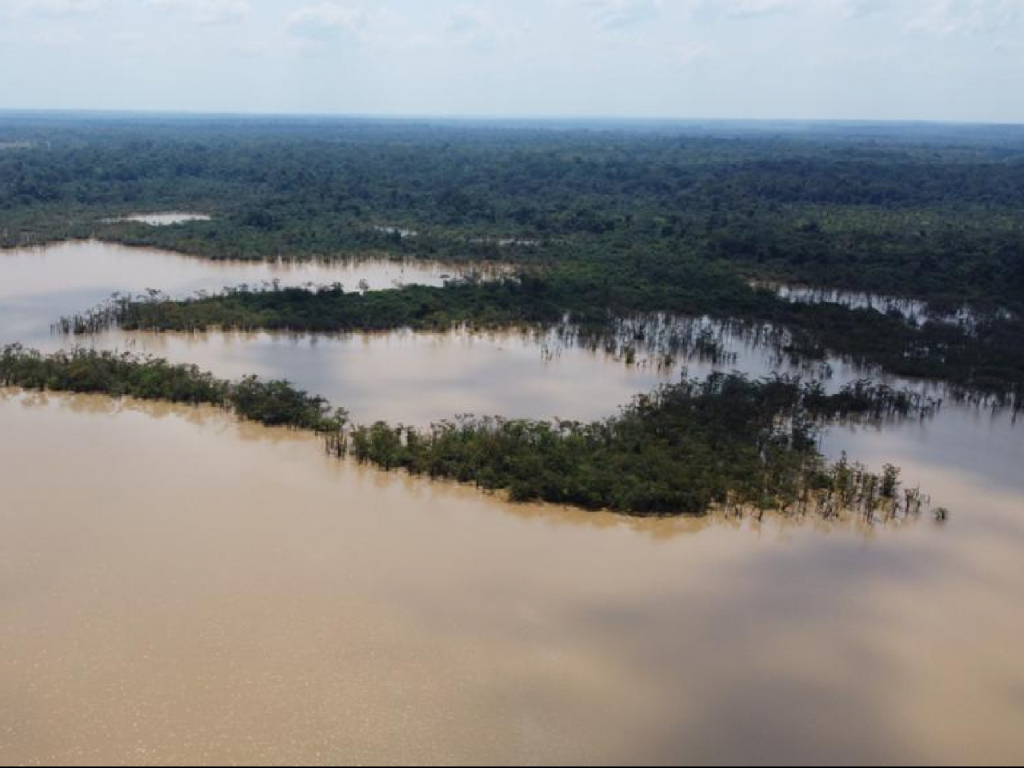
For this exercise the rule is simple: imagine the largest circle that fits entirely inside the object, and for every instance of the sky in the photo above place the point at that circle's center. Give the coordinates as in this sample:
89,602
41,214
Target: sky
949,60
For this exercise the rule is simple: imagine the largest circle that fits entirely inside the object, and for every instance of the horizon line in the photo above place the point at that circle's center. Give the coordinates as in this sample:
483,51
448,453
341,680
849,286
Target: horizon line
504,118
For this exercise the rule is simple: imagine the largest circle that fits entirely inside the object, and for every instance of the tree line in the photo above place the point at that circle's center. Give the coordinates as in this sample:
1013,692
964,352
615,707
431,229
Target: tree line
983,358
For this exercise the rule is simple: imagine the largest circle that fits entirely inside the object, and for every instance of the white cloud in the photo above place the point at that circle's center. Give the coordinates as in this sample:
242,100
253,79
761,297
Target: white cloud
469,25
325,21
858,9
686,54
208,11
57,38
312,27
614,14
943,18
467,20
224,11
747,9
739,9
61,7
934,59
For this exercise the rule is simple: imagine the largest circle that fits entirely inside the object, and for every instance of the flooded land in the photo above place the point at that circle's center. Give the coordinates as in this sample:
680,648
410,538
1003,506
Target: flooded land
178,587
407,377
414,378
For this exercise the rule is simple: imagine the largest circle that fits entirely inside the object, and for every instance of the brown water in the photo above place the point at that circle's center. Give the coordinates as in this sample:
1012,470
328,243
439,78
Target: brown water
74,276
179,588
415,378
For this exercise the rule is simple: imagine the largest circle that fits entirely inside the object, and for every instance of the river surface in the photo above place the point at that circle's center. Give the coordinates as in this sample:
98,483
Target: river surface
176,588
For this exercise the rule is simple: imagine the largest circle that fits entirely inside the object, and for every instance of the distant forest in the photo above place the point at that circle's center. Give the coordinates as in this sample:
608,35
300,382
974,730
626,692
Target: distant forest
933,212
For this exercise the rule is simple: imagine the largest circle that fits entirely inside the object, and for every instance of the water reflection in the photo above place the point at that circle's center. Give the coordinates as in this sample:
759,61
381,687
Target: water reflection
911,310
166,219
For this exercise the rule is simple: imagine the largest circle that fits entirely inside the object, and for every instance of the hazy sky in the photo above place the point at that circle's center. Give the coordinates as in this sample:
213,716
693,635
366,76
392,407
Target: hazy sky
888,59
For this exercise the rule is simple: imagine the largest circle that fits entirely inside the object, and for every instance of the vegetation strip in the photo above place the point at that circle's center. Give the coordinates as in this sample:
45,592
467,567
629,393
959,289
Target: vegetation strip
688,448
985,360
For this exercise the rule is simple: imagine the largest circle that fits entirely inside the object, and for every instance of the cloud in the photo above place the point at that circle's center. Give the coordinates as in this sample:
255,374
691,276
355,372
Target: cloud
57,38
314,26
467,20
687,54
61,7
742,9
615,14
224,11
945,18
324,21
858,9
748,9
208,11
472,26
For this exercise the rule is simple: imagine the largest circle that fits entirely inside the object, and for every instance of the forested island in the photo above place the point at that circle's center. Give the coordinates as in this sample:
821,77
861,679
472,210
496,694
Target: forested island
689,448
592,225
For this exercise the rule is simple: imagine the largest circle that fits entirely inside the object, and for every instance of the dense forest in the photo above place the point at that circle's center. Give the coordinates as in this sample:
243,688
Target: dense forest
689,448
81,371
928,212
726,442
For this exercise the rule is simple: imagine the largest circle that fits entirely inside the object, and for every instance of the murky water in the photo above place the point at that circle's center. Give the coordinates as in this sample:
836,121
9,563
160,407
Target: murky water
178,588
75,276
413,378
192,590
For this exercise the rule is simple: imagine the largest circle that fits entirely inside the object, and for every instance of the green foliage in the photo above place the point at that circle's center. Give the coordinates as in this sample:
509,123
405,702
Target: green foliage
119,375
332,310
687,448
931,212
89,371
